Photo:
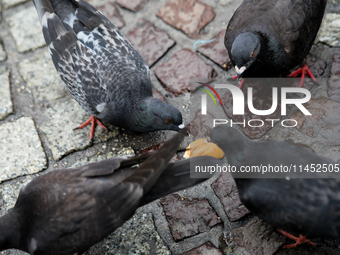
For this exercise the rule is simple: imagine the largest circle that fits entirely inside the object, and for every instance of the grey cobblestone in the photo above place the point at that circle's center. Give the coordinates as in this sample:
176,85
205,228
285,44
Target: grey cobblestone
26,37
41,77
10,3
20,149
329,30
61,119
6,105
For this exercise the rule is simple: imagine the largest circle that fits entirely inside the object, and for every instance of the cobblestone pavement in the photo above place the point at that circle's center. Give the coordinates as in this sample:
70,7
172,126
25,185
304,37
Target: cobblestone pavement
37,115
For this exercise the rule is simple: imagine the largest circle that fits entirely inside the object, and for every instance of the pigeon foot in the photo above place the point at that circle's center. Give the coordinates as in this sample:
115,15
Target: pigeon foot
298,240
241,83
93,120
303,70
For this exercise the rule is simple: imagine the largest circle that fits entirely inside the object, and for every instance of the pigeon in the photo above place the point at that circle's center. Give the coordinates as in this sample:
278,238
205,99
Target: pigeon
308,206
101,69
266,38
67,211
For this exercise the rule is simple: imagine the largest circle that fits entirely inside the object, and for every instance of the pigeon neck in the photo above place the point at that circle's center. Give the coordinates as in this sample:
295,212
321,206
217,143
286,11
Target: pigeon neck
10,230
271,51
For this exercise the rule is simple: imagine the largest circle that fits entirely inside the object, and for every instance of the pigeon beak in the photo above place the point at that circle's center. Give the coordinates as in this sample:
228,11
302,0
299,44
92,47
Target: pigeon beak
181,126
239,72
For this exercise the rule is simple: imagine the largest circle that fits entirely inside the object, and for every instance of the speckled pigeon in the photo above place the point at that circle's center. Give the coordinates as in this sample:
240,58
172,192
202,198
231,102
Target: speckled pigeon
67,211
308,206
101,69
265,38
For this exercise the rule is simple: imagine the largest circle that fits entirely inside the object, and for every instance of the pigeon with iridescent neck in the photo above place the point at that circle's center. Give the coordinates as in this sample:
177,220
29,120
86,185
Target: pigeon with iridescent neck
266,38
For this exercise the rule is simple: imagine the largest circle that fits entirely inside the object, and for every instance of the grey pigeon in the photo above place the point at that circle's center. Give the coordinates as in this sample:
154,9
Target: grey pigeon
101,69
67,211
308,206
265,38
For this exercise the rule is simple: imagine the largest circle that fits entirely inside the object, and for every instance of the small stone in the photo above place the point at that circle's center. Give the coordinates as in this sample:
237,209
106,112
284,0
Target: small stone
42,78
329,30
324,124
257,237
137,236
110,11
6,105
10,3
151,42
58,126
190,16
175,74
20,149
132,5
226,190
28,37
334,80
216,51
188,218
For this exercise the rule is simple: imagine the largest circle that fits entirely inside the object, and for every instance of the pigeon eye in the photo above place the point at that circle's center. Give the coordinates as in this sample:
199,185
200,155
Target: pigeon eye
169,120
253,54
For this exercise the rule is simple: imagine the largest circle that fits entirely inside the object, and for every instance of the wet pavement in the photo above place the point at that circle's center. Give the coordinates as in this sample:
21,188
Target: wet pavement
38,115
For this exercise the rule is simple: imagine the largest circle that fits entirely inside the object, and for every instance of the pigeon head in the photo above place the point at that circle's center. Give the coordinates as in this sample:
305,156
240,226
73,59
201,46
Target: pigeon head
244,51
165,116
154,114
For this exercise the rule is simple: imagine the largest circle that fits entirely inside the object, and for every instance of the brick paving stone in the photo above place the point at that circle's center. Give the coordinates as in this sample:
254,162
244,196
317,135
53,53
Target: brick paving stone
329,30
41,77
262,100
334,79
315,65
20,149
132,5
137,236
225,188
26,37
60,120
3,54
206,248
110,11
324,124
6,105
151,42
189,16
175,75
257,237
216,51
10,3
200,126
187,218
